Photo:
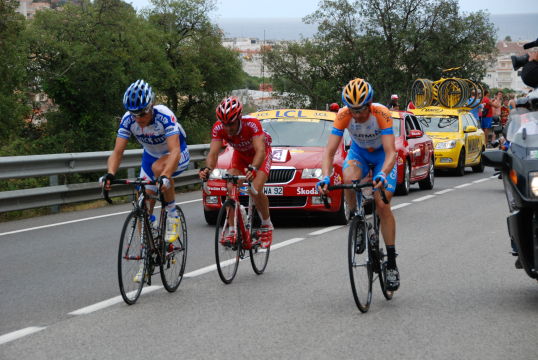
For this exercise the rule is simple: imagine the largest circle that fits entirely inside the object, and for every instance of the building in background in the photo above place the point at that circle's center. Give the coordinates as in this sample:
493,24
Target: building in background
500,73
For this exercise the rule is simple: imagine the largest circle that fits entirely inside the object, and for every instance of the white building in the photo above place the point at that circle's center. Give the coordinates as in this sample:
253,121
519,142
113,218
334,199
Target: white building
250,51
500,74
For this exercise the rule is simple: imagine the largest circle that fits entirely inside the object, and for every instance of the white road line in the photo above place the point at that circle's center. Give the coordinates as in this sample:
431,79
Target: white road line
462,185
424,198
79,220
494,177
201,271
481,180
19,333
327,229
286,243
110,302
444,191
400,206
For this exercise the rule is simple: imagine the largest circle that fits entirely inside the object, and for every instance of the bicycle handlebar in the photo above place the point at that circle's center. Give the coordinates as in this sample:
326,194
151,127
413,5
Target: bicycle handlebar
232,178
354,186
137,182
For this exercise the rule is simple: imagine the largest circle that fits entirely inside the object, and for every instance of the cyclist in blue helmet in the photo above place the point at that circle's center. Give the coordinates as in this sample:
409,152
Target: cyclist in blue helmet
165,148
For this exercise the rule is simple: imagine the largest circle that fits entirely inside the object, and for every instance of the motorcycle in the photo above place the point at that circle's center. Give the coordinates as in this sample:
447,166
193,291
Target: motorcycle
519,167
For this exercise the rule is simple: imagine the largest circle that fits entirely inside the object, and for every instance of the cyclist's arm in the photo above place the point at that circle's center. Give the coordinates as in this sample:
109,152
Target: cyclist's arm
174,153
259,146
390,152
213,155
328,154
114,159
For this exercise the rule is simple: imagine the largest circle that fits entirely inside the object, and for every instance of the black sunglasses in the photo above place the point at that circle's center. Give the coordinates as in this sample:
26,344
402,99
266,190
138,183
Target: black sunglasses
359,109
142,112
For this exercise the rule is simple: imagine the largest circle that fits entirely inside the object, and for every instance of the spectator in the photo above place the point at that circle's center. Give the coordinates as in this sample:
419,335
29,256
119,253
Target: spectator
512,101
487,113
505,111
393,104
496,104
473,101
410,106
334,107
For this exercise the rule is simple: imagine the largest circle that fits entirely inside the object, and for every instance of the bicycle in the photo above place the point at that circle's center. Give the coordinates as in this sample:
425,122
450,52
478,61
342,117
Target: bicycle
143,245
230,250
364,254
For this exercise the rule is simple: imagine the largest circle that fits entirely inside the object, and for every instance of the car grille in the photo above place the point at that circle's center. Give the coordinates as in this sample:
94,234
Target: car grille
278,201
280,176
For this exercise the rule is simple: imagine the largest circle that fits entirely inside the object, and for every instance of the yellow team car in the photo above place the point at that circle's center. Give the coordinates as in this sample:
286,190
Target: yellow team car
457,138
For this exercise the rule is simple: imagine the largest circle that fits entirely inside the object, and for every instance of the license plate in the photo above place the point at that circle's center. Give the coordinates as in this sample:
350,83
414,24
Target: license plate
273,190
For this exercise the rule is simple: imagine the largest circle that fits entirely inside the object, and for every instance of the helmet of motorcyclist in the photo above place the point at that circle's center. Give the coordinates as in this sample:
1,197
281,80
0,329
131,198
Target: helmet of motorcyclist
138,97
229,110
357,93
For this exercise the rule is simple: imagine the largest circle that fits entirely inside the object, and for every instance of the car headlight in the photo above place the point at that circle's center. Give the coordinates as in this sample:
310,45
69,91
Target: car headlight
312,174
446,145
217,173
533,180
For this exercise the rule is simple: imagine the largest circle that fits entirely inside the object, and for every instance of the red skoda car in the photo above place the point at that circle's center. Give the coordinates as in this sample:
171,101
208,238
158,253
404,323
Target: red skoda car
415,153
299,138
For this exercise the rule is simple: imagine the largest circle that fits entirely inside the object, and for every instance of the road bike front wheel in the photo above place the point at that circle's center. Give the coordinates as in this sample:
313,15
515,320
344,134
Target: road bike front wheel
132,258
227,245
360,266
174,255
259,256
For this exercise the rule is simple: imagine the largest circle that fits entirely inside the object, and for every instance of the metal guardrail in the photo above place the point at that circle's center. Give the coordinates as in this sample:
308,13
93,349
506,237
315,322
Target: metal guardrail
13,167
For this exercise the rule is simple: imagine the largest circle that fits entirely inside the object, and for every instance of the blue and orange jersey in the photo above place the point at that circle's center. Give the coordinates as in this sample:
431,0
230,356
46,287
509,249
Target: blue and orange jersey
366,135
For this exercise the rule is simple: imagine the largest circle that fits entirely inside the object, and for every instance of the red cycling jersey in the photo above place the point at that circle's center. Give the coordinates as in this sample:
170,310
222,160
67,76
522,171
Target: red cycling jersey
249,128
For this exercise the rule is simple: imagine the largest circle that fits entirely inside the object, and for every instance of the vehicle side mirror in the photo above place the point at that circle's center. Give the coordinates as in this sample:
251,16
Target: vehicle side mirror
494,158
470,128
413,134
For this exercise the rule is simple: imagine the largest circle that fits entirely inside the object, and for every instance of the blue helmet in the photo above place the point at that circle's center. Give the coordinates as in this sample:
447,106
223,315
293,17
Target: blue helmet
138,96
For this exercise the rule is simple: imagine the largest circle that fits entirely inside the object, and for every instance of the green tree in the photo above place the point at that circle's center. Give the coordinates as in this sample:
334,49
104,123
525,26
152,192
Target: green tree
203,71
389,43
84,57
13,65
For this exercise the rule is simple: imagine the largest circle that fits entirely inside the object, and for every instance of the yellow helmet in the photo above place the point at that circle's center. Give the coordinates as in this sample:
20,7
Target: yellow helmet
357,93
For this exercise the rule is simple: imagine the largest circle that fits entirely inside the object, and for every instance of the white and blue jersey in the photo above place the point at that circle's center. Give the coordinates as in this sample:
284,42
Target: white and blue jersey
153,138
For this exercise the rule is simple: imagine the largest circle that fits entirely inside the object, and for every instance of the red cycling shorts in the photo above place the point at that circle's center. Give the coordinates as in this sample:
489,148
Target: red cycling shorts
241,162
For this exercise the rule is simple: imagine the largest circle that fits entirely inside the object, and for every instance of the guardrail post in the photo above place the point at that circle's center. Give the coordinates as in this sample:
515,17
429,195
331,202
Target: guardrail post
53,181
130,173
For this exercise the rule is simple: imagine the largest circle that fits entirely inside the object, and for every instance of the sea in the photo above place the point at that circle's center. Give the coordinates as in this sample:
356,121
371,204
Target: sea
517,27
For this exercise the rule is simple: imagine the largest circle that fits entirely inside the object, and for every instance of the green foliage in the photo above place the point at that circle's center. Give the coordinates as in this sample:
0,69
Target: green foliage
388,43
13,65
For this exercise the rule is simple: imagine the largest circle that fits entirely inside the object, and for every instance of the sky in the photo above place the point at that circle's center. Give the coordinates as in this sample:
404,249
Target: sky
227,9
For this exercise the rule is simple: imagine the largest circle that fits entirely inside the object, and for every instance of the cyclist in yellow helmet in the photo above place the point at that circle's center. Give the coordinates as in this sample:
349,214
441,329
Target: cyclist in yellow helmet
370,127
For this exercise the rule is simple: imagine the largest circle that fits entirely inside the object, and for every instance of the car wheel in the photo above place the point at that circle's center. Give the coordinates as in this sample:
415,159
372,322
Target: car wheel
403,188
427,183
460,170
480,167
341,217
211,217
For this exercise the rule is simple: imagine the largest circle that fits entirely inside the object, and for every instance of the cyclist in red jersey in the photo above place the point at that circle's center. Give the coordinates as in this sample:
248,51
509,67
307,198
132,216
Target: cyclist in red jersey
252,155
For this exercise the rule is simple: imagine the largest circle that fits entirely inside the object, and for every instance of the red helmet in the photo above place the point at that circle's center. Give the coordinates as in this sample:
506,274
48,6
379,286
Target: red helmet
229,110
334,107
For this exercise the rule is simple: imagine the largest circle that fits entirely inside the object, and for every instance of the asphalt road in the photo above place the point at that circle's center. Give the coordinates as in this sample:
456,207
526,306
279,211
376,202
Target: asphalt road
460,298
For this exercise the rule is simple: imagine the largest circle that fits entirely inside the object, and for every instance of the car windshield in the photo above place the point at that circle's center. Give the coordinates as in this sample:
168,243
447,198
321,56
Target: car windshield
523,129
298,132
396,126
439,123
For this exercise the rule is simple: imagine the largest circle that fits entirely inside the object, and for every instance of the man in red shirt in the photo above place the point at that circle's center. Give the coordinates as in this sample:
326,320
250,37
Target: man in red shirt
487,113
252,154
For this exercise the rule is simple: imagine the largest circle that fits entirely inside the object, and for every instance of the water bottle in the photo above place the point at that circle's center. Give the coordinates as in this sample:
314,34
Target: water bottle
243,214
371,233
243,190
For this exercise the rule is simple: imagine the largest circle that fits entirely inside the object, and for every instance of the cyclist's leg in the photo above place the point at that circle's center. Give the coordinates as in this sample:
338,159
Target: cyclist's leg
354,167
172,220
146,173
261,201
388,224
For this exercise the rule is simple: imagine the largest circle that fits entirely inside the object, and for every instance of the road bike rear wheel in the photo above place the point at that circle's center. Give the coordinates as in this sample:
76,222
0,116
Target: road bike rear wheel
258,256
360,266
132,257
227,252
174,256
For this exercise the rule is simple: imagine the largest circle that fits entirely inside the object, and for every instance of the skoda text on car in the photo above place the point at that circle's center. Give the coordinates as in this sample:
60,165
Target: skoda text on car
415,153
458,140
299,138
